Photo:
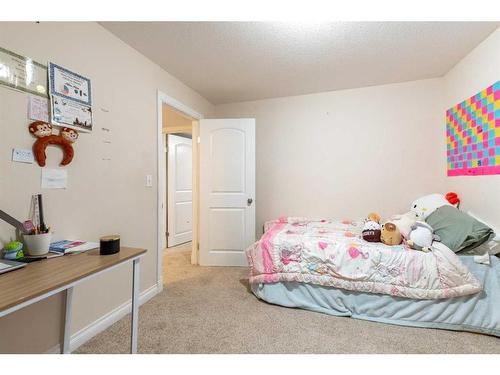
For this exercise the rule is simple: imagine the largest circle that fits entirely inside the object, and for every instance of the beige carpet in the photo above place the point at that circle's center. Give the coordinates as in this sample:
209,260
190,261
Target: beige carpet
210,310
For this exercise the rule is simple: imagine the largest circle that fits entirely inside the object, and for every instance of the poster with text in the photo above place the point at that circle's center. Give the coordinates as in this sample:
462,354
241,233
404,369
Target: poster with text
22,73
69,85
72,114
71,98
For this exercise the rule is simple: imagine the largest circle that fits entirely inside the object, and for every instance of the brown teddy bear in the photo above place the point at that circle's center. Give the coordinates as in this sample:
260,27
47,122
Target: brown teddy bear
390,234
373,216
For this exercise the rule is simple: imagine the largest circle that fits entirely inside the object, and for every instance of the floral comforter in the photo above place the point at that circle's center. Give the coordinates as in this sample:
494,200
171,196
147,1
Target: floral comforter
332,253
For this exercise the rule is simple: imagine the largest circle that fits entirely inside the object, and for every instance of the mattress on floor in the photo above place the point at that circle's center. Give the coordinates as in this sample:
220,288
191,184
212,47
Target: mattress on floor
479,312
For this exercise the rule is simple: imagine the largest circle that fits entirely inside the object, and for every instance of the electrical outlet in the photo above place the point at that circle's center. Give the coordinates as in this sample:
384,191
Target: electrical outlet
149,180
22,155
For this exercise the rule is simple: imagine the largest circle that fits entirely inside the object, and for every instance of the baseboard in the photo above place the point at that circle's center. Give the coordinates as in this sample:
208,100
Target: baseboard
54,350
82,336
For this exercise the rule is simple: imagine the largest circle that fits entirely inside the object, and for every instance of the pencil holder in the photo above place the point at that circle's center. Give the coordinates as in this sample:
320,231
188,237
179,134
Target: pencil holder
37,244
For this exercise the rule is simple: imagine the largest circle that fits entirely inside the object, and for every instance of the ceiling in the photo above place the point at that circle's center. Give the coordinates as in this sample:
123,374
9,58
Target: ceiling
238,61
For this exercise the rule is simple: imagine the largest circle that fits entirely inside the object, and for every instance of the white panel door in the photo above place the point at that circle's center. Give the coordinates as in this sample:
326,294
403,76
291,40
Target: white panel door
227,191
179,190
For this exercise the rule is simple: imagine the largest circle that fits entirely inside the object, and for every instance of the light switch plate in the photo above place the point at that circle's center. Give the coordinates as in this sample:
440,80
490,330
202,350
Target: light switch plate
23,155
149,180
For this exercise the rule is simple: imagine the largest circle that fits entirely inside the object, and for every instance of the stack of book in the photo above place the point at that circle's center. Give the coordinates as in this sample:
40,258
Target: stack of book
68,246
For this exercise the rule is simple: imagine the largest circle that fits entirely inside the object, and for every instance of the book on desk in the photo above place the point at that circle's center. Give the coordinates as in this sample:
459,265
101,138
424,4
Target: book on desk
60,248
69,246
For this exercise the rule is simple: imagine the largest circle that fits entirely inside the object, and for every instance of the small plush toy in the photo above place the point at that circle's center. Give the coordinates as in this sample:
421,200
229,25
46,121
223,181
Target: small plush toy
43,132
371,231
421,237
453,199
13,250
425,206
373,216
390,234
404,222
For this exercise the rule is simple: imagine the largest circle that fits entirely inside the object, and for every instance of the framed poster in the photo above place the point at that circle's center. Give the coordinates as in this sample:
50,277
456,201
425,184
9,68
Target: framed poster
473,134
70,98
22,73
69,85
69,113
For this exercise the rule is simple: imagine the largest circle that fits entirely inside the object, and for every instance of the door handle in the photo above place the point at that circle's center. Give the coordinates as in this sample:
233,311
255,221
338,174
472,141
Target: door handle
249,201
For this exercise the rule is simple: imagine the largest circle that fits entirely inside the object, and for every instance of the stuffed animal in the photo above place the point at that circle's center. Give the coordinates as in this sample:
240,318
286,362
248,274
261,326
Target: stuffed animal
453,199
390,234
371,231
373,216
13,250
423,207
43,132
421,237
404,222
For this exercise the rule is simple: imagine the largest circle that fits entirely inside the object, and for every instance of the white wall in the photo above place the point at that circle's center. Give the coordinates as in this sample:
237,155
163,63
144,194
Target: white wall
346,153
103,196
478,70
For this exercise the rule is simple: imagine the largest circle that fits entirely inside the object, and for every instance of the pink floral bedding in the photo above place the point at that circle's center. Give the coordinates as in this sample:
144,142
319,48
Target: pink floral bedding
332,253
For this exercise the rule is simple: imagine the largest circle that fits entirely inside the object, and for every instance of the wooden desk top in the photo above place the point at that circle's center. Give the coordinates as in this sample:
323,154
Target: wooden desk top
47,275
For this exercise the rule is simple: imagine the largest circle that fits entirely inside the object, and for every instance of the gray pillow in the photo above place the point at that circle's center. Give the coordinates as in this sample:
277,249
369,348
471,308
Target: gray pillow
458,230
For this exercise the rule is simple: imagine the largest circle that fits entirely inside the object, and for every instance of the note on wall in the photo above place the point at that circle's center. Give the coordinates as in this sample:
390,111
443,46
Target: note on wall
54,178
473,134
38,108
106,136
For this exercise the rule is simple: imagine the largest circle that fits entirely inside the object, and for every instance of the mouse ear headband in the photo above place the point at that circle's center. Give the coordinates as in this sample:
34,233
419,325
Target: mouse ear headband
43,132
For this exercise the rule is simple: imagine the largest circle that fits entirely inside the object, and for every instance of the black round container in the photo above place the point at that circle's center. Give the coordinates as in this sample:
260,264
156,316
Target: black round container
110,244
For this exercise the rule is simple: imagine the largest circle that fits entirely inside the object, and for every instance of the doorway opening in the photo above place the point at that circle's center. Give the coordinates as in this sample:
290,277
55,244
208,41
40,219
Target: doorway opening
222,190
178,128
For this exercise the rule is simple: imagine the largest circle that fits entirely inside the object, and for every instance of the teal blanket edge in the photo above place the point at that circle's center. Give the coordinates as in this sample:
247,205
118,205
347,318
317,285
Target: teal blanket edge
478,313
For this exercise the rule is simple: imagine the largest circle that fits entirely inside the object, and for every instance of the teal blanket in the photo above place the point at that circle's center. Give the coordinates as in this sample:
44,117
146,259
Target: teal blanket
474,313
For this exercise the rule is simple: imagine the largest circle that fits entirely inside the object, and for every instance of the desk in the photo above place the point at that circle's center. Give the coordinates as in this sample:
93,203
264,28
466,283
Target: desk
42,279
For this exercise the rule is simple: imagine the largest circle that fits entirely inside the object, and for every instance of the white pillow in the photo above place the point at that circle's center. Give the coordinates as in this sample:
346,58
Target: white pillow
424,206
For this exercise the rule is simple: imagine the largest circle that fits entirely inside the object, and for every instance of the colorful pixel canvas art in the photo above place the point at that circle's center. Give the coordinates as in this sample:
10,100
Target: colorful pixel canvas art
473,134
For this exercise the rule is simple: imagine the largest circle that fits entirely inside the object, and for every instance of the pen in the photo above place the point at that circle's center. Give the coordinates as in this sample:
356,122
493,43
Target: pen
43,228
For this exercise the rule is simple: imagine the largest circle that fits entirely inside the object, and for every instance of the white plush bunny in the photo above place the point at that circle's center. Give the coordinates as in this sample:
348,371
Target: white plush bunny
404,222
424,206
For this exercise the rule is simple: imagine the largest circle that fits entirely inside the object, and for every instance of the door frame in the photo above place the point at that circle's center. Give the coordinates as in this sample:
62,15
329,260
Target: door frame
162,98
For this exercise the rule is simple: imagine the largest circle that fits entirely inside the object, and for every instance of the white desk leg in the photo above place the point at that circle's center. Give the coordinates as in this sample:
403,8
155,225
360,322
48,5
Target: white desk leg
67,322
135,307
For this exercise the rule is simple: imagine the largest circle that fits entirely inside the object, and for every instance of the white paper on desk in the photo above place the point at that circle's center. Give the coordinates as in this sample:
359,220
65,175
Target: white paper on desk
4,266
38,108
83,247
54,178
